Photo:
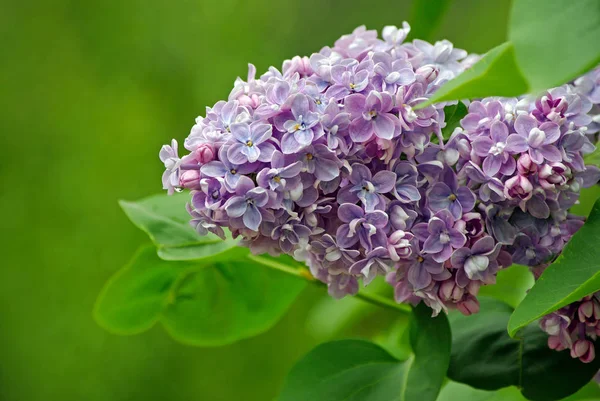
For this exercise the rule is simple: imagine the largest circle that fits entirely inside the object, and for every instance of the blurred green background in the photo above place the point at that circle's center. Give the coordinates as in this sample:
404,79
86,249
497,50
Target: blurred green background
90,91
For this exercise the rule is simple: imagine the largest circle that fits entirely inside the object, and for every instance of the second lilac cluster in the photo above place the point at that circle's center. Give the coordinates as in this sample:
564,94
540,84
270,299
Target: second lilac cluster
329,161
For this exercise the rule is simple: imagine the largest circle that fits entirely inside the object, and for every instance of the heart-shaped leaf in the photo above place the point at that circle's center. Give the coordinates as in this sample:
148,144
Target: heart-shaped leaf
574,275
220,299
353,370
486,357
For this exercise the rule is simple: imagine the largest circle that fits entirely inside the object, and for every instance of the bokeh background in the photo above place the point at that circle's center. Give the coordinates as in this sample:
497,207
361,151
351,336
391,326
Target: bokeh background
90,90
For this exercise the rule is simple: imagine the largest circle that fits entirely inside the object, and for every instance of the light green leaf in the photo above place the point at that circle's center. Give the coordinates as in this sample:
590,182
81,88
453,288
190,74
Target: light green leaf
574,275
356,370
594,157
555,40
485,357
214,301
426,17
495,74
133,299
346,370
228,301
453,114
164,219
454,391
511,285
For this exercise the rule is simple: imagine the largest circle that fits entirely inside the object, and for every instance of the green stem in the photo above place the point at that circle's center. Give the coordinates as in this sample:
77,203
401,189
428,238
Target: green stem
304,273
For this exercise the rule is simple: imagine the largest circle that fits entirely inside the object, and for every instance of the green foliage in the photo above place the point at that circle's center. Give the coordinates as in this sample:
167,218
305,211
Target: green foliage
453,114
454,391
208,302
574,275
486,357
426,17
495,74
133,299
571,28
593,158
165,219
525,64
360,370
511,285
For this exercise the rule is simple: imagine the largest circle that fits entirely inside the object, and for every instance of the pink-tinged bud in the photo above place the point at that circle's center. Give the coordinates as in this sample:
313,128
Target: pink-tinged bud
584,350
249,101
298,64
399,245
553,174
428,72
469,306
525,165
589,312
204,153
555,343
450,292
518,187
190,179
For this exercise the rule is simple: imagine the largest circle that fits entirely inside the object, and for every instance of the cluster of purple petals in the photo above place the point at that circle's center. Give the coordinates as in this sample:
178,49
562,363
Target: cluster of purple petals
575,327
328,160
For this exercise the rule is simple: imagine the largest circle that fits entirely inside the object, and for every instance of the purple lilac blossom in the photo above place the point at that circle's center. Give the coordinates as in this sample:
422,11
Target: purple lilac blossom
328,161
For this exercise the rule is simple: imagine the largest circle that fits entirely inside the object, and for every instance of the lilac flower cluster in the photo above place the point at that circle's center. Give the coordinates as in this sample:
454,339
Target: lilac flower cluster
329,161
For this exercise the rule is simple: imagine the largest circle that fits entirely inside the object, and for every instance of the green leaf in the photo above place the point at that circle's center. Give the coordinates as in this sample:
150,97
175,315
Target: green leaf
348,370
430,340
164,219
426,17
214,301
454,391
511,285
495,74
357,370
574,275
228,301
132,300
453,113
570,28
486,357
594,157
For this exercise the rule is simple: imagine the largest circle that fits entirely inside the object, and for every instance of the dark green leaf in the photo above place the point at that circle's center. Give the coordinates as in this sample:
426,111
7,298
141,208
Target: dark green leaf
426,17
495,74
430,340
574,275
356,370
484,356
555,40
453,114
511,285
213,301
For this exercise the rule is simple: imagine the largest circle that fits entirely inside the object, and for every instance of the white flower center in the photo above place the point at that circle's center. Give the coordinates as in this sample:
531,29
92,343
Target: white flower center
497,149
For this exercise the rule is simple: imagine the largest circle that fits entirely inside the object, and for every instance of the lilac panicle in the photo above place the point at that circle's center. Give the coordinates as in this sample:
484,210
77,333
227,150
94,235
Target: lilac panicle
329,161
